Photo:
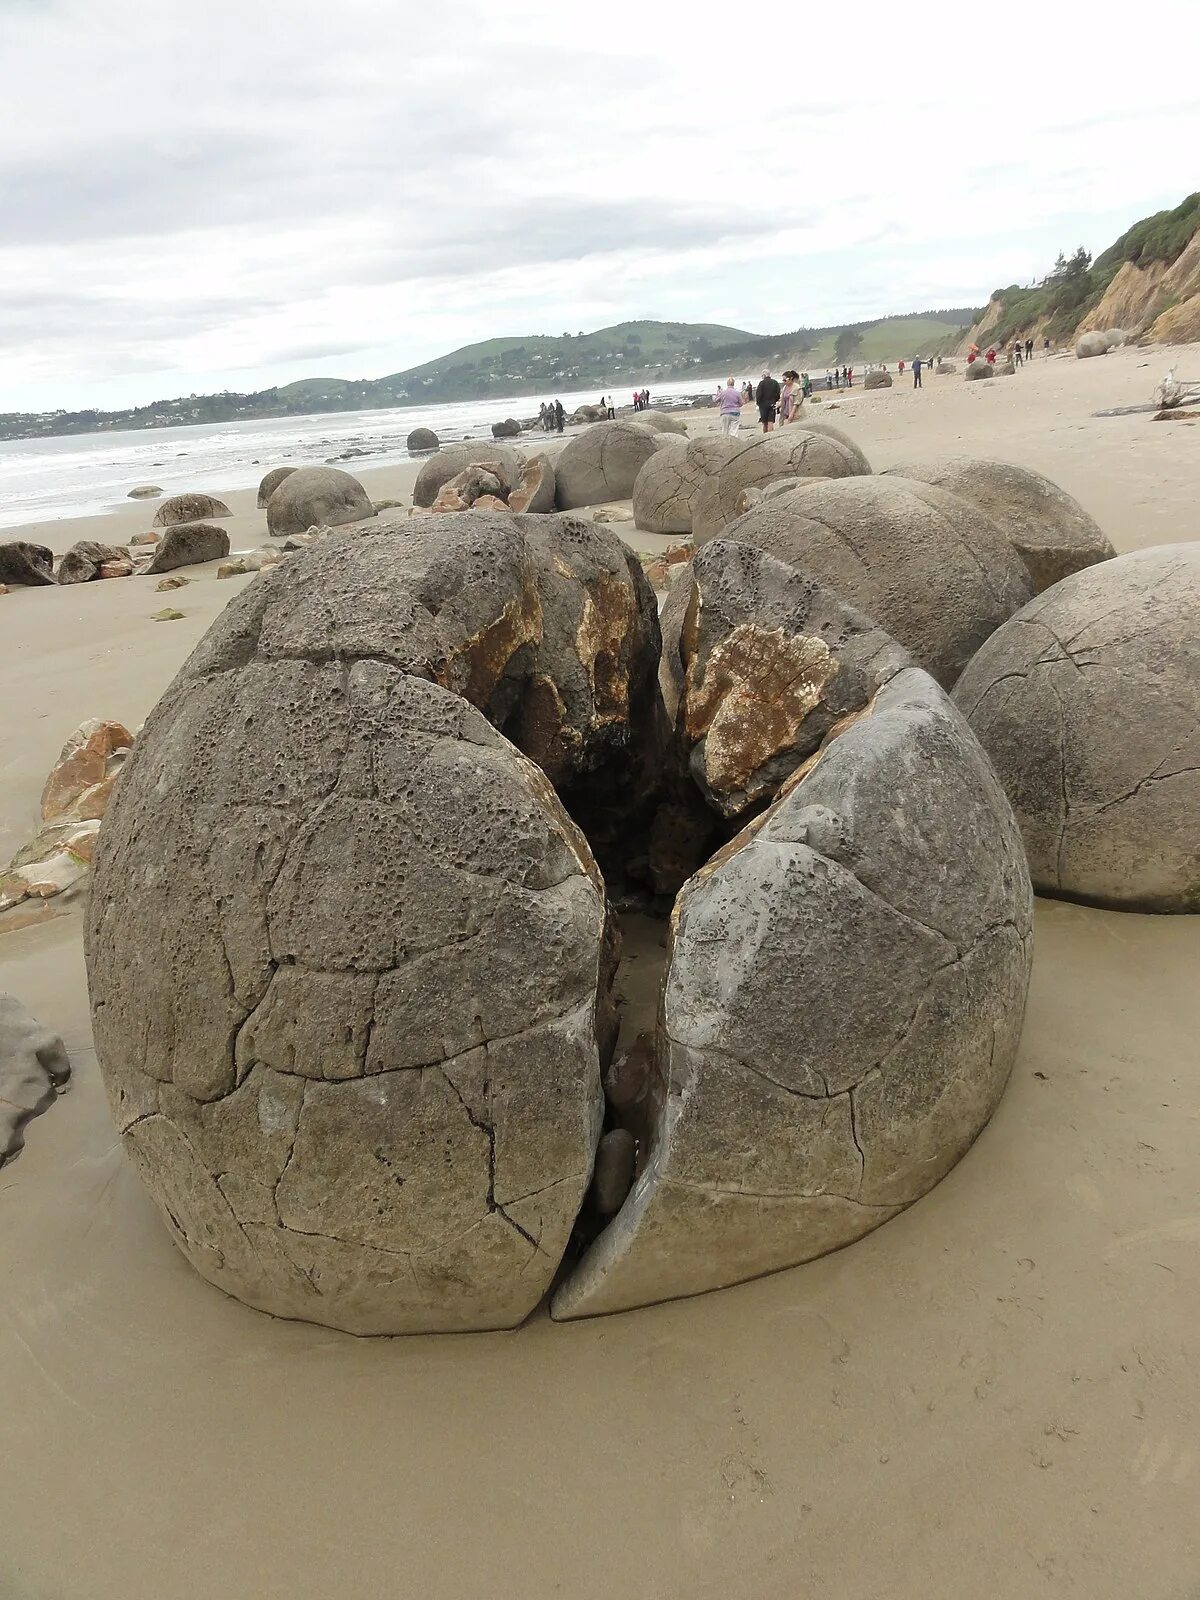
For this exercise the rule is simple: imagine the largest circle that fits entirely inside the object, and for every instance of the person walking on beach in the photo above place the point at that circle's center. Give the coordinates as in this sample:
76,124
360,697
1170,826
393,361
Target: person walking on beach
767,396
787,399
1029,349
916,366
729,405
559,416
542,417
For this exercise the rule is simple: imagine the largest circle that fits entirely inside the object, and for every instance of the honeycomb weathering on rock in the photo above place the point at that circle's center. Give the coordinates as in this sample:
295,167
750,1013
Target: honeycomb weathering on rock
350,953
842,1007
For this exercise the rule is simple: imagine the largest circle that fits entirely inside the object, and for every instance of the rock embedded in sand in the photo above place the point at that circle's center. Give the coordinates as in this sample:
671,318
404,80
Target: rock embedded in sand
144,491
189,508
933,570
140,539
34,1067
1088,704
389,938
1091,344
187,545
323,495
510,428
796,1116
602,463
877,380
979,369
796,452
451,459
422,439
269,482
84,561
23,563
662,422
1051,532
1006,369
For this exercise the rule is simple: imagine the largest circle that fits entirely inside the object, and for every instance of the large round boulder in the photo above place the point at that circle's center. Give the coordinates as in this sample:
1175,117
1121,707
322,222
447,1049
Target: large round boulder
317,497
422,439
1091,344
862,465
666,487
450,460
1051,532
877,380
1088,703
1114,338
842,1007
933,570
510,428
662,422
270,482
794,452
387,936
979,369
602,463
189,508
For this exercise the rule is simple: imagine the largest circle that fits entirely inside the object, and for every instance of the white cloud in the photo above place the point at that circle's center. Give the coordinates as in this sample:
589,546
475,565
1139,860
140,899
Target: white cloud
245,192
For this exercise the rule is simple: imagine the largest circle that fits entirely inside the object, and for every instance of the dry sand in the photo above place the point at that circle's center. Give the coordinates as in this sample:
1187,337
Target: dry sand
996,1394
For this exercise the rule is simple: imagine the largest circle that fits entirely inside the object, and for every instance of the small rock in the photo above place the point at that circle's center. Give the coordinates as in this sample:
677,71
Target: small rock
612,513
144,491
145,538
120,567
81,779
167,614
175,582
235,569
612,1175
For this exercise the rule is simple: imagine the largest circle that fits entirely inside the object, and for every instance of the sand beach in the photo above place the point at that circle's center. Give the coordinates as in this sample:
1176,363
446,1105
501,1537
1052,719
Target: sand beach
996,1393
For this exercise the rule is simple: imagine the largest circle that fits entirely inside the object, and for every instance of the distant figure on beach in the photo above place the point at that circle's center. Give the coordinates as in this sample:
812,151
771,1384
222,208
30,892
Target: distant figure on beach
729,405
917,364
767,396
1017,353
1029,349
787,399
900,369
559,416
990,358
608,409
805,386
1046,346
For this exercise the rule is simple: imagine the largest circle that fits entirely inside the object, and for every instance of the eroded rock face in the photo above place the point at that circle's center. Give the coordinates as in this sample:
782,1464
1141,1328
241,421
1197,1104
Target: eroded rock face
932,570
387,935
793,453
535,487
189,508
317,497
24,563
797,1116
187,545
33,1068
1051,532
666,486
603,462
1088,703
770,662
451,459
270,482
83,562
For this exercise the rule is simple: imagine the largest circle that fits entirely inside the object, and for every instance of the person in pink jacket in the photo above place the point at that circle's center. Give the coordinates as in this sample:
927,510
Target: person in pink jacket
729,404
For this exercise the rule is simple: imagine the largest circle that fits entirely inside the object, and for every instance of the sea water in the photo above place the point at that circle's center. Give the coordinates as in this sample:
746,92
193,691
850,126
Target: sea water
84,474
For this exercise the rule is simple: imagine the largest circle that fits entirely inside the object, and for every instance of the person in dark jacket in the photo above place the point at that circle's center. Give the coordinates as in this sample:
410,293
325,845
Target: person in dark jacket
559,415
767,398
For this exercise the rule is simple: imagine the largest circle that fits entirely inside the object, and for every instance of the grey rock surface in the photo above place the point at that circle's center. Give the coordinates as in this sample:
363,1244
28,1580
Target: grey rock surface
510,428
269,482
1051,532
602,463
1091,344
144,491
1088,703
189,508
662,422
932,570
451,459
770,663
794,452
82,562
33,1068
979,368
317,497
22,562
797,1116
861,464
666,486
877,380
421,439
187,545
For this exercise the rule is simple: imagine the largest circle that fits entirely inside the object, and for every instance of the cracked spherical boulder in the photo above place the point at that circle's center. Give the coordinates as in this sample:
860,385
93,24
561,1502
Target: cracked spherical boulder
769,662
451,459
348,954
842,1007
189,508
602,463
1088,703
1051,532
323,497
933,570
793,453
666,486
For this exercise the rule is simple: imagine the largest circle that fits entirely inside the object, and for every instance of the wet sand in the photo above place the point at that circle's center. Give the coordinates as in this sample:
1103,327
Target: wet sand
997,1393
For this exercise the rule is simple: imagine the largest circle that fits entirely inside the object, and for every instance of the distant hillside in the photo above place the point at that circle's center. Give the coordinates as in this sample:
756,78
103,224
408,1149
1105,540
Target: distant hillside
1147,283
622,358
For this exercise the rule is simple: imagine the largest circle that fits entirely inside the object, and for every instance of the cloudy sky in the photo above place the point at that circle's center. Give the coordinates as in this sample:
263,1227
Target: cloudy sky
242,192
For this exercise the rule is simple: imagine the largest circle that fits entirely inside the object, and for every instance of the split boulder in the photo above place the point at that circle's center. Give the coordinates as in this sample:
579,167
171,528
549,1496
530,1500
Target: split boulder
270,482
795,452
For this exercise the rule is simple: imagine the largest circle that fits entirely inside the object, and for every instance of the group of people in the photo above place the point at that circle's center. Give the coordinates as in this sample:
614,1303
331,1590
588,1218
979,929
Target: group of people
775,401
641,399
553,416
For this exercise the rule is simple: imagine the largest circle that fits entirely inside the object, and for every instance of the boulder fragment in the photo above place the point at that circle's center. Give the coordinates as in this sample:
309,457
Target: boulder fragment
188,545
